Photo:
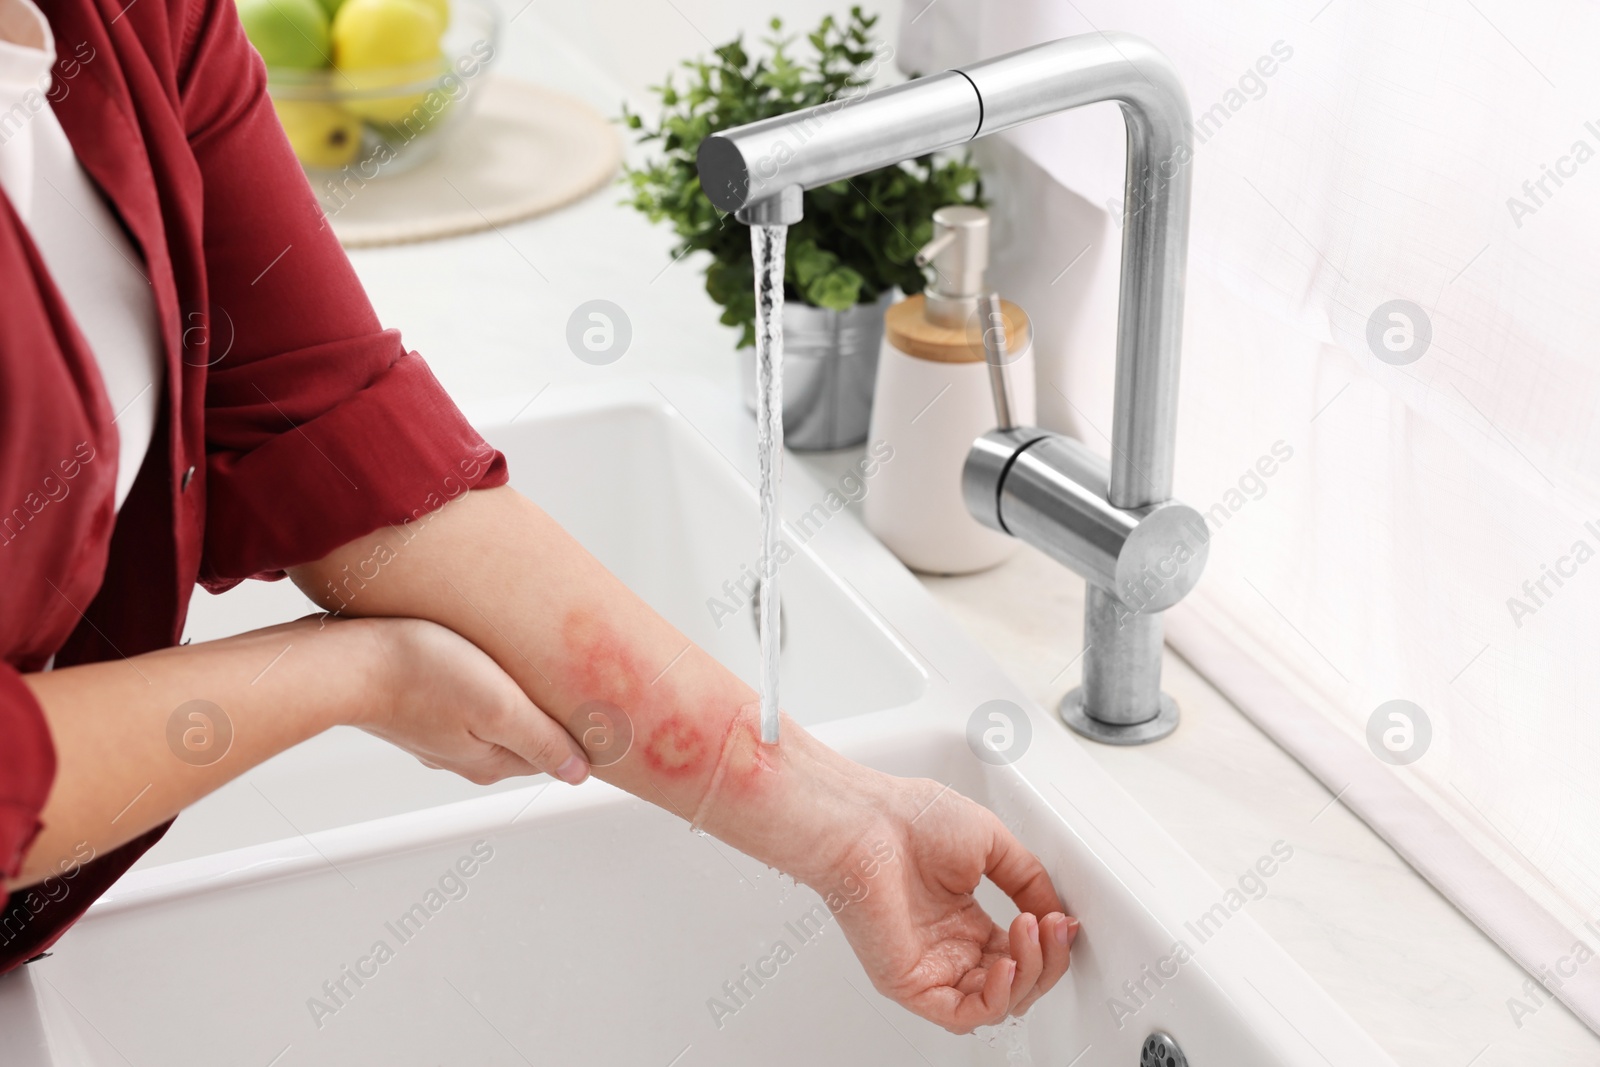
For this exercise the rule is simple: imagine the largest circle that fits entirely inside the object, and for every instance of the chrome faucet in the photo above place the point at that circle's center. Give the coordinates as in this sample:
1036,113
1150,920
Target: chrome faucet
1116,524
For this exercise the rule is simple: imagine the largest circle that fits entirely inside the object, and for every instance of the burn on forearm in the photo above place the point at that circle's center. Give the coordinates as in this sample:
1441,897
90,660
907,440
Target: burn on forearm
691,729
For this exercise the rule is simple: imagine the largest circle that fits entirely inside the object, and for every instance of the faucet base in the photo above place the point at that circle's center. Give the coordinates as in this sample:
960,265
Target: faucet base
1072,713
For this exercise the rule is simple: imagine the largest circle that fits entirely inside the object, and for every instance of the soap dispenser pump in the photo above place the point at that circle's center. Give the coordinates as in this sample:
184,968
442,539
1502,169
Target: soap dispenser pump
932,400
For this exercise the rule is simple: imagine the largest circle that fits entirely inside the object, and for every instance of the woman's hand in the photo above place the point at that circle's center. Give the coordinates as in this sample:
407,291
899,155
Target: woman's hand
903,897
897,861
124,762
446,702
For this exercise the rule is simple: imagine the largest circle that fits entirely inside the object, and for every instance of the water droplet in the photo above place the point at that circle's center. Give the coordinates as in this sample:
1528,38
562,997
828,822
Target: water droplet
1012,1036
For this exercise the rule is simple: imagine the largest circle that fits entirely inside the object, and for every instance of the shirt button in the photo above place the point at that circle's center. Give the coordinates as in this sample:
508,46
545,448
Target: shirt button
188,476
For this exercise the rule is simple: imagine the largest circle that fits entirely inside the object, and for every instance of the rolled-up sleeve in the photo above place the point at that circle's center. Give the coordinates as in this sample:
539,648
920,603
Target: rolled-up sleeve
27,768
320,425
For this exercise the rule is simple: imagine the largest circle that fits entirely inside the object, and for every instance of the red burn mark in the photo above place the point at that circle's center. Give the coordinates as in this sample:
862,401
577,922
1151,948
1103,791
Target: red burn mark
603,668
751,763
673,743
677,748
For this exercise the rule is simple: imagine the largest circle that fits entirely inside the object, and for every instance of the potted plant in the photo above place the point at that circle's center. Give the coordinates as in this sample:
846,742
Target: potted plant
852,255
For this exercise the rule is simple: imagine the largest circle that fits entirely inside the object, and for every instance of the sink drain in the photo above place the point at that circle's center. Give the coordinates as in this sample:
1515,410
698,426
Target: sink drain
1161,1050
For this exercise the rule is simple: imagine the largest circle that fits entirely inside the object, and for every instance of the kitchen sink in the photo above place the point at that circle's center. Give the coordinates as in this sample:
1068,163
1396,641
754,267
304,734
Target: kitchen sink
343,905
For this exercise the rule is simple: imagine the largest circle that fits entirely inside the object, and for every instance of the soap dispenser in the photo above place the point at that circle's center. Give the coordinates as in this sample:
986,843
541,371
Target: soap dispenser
932,400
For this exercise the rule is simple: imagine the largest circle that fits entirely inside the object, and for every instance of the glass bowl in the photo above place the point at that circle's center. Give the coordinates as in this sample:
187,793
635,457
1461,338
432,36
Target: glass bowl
359,125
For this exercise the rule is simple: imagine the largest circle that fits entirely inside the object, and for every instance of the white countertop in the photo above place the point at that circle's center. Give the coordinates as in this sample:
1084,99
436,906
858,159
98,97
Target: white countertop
489,311
1426,983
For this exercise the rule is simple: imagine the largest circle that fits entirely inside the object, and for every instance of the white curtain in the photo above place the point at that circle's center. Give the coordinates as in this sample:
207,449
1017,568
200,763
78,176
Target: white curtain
1405,496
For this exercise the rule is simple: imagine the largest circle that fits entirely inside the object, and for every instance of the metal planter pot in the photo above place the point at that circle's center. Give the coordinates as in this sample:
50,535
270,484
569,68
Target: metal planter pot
830,362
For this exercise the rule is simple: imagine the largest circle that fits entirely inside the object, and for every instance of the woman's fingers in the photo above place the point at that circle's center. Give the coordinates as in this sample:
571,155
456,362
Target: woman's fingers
1056,935
452,706
520,727
539,740
501,764
1018,872
990,1006
1023,878
1029,957
961,1013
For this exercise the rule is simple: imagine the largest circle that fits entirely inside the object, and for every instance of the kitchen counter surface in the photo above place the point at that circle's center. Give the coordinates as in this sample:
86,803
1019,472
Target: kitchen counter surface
1423,980
490,312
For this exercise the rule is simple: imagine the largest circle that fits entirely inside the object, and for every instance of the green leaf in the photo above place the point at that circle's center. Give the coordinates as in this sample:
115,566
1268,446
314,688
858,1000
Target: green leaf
839,289
857,239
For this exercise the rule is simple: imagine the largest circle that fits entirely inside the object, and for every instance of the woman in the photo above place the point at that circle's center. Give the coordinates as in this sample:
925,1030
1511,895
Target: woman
149,195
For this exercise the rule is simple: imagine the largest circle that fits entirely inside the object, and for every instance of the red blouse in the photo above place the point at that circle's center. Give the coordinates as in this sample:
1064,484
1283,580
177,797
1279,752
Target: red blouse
291,421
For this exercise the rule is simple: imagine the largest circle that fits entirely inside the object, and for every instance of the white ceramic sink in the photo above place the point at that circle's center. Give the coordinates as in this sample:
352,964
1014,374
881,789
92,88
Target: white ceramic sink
594,928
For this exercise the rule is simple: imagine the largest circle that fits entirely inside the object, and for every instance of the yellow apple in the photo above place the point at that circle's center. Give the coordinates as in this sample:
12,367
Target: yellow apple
322,135
440,8
382,44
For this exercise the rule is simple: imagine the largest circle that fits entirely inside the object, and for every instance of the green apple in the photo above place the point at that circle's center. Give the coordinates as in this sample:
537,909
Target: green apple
287,33
379,44
322,135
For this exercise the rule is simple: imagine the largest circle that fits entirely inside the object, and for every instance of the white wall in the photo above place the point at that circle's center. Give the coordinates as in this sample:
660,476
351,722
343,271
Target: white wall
637,41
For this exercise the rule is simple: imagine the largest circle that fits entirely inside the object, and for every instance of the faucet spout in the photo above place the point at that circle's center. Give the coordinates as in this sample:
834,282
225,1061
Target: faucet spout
743,169
840,139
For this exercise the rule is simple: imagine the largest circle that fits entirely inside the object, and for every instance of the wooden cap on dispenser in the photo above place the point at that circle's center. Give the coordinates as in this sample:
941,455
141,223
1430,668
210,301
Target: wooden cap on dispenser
907,328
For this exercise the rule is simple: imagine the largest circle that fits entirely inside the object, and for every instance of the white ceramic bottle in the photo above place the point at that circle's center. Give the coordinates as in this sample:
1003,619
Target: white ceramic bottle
933,399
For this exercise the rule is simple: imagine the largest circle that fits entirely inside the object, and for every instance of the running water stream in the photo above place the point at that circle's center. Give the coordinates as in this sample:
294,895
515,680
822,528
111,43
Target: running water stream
767,245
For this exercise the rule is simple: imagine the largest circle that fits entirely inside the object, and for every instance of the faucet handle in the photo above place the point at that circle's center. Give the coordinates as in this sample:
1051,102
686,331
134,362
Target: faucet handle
1051,491
996,356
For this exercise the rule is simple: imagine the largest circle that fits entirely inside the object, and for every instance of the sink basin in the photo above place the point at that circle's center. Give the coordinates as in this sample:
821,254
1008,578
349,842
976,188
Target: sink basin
333,908
640,487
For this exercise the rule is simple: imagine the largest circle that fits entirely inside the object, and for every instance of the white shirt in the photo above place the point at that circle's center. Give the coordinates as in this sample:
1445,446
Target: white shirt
95,267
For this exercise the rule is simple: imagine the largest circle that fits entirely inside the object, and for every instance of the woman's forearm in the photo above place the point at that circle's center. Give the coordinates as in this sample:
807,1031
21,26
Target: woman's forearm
136,739
139,739
657,715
